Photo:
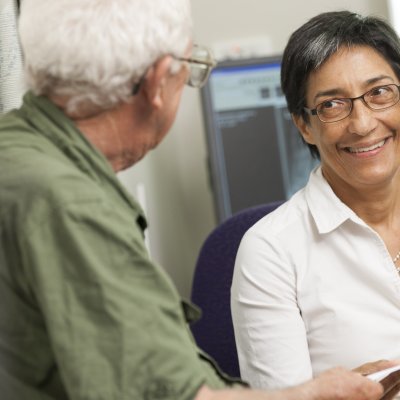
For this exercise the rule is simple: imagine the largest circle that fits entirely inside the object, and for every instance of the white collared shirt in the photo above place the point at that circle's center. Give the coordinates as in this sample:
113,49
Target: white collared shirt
314,287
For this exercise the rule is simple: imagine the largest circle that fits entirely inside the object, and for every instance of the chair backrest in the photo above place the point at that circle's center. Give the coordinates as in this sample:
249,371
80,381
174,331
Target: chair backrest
212,284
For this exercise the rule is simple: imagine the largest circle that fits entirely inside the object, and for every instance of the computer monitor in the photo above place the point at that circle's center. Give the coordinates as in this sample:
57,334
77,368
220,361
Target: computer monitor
255,152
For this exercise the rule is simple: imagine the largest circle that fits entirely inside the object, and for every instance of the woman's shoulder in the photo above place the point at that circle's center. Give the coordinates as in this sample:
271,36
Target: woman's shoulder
290,217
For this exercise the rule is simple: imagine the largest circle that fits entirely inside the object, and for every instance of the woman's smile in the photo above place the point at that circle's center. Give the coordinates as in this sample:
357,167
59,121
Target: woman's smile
366,149
361,149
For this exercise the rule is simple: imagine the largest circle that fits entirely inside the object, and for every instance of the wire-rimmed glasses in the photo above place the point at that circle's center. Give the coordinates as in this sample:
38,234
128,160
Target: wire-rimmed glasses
376,99
201,63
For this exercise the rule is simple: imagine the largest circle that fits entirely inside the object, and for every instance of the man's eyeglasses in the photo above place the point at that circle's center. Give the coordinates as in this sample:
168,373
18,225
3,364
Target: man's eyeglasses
201,64
378,98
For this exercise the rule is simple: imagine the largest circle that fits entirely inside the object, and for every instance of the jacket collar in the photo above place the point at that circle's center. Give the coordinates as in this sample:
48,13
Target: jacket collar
49,121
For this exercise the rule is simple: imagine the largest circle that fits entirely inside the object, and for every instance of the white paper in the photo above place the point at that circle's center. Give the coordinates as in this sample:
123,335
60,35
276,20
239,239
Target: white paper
378,376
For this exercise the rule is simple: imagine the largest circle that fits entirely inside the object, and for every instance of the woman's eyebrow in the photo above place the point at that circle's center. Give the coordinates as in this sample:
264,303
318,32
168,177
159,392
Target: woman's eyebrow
379,78
330,92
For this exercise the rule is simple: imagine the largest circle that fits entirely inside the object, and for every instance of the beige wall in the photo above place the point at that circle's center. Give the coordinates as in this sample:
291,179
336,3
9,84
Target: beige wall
179,200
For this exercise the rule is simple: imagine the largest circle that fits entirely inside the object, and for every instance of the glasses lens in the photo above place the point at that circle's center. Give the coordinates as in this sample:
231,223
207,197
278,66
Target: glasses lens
382,97
334,110
198,75
201,64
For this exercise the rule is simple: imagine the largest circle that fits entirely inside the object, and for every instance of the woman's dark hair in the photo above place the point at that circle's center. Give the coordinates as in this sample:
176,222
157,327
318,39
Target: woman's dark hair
322,36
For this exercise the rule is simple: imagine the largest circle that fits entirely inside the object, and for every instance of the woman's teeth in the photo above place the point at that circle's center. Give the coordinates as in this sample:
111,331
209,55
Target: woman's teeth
365,149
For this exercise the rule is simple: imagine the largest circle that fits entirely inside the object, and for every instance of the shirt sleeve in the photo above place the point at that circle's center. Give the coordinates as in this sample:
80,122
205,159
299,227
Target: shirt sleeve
269,331
113,318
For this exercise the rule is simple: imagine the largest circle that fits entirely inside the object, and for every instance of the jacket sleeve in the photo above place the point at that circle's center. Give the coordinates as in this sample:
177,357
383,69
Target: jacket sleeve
113,318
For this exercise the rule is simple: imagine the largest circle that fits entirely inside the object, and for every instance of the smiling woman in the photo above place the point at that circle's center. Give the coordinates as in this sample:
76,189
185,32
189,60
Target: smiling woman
316,281
354,135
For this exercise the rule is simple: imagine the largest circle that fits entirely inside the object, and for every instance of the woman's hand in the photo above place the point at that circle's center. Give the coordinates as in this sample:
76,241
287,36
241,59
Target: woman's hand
334,384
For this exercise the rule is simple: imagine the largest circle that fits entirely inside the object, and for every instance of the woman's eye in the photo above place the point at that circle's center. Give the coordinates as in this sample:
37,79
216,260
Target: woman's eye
331,104
380,91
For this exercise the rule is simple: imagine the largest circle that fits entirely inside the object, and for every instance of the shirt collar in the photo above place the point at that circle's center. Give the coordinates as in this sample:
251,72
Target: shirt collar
327,210
49,121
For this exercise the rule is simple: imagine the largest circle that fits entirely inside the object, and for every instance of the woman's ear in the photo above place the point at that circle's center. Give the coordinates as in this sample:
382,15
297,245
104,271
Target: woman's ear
155,80
304,128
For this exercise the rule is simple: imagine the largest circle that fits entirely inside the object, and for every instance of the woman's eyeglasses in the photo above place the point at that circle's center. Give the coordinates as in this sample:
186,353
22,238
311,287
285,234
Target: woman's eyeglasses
376,99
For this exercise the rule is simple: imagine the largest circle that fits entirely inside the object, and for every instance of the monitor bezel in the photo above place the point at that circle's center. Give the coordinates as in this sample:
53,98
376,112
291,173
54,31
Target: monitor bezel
215,165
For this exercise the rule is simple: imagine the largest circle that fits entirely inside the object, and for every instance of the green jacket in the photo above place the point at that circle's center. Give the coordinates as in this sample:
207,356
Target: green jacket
84,313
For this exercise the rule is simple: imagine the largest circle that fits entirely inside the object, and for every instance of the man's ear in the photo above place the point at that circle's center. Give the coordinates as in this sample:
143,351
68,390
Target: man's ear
304,128
155,80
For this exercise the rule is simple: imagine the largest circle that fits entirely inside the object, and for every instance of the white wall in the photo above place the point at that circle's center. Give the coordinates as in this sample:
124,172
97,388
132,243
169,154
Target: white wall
179,200
394,14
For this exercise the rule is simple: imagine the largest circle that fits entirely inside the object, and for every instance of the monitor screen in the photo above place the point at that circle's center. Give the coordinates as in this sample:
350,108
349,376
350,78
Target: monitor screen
255,152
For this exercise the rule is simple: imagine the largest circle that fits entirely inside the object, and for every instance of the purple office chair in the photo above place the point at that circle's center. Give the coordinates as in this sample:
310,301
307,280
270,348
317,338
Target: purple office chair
212,284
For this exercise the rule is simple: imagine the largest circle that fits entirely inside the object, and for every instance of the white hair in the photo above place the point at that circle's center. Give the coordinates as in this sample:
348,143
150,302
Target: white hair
94,51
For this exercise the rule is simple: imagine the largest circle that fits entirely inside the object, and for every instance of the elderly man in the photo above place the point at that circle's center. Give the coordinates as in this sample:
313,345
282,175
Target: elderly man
85,314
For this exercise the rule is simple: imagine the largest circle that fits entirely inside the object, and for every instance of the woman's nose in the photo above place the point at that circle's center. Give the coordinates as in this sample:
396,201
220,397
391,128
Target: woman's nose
362,119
